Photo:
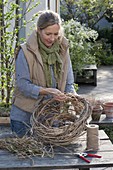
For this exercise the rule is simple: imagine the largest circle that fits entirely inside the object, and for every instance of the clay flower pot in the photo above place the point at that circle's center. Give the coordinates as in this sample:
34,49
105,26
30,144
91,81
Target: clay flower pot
96,112
108,109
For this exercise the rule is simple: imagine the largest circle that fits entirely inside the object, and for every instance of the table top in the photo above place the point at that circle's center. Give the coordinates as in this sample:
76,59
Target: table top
90,67
64,157
103,121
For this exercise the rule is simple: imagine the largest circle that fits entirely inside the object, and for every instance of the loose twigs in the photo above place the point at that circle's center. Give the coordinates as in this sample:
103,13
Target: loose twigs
26,147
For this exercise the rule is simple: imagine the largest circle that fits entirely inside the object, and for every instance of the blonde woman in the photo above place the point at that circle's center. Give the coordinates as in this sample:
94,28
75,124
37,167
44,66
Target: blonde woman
43,70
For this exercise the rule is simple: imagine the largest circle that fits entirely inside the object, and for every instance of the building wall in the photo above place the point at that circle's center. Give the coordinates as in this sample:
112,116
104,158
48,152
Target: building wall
44,5
103,23
40,7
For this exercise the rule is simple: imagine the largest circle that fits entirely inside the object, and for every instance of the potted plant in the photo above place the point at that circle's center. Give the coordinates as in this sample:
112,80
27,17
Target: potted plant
97,110
108,109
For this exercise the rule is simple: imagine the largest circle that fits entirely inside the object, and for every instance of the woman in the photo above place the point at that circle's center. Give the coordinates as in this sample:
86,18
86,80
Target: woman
43,69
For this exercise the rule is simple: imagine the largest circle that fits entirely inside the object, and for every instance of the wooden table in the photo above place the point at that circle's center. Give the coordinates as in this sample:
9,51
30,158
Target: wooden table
63,158
103,121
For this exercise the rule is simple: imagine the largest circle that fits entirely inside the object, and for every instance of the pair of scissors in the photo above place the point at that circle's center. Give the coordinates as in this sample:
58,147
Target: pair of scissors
84,155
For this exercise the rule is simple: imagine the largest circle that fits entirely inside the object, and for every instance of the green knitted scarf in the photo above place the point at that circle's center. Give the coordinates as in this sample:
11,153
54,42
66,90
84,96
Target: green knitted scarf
51,56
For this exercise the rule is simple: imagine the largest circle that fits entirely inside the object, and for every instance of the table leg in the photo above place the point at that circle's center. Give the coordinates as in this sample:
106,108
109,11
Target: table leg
95,77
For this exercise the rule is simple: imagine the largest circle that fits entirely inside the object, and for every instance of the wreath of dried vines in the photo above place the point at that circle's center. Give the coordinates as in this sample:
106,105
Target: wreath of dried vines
60,122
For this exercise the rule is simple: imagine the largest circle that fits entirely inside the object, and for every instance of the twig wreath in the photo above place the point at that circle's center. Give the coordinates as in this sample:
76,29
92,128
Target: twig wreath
60,122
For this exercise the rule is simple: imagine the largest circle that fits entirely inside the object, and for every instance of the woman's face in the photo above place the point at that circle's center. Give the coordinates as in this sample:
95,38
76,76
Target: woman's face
49,35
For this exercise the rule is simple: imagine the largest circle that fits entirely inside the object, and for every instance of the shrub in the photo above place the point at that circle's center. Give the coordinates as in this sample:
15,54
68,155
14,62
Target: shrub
102,52
81,40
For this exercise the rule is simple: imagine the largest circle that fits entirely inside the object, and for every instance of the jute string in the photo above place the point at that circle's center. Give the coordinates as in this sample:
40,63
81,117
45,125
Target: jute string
92,137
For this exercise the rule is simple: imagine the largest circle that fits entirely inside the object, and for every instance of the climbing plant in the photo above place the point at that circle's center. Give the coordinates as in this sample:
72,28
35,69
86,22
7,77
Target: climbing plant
12,20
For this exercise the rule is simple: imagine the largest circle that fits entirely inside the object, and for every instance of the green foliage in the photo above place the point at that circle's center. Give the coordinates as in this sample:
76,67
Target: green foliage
4,109
81,40
91,12
102,52
107,35
76,87
12,19
86,11
109,131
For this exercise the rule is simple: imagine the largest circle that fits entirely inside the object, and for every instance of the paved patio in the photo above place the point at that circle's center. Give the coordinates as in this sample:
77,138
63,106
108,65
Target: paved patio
104,88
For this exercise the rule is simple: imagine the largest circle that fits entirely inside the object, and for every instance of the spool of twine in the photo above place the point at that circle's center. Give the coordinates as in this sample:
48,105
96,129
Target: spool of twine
92,137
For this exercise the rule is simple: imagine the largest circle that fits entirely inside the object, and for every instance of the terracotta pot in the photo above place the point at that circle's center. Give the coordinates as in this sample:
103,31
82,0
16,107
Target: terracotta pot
108,109
96,112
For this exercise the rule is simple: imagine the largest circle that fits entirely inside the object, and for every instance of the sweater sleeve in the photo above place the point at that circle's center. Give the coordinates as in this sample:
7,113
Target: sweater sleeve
23,81
70,79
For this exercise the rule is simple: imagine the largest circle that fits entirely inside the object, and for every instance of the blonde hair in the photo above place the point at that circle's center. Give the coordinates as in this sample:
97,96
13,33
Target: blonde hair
48,18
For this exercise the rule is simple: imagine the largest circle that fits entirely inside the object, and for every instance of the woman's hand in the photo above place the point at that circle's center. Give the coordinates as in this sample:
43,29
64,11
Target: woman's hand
57,94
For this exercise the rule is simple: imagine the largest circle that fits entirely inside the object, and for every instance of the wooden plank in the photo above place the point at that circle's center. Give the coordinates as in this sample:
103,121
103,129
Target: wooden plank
102,136
4,120
90,67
